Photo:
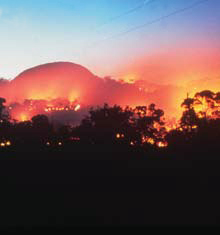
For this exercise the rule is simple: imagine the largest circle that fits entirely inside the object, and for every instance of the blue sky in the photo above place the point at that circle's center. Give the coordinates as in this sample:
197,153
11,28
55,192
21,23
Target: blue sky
33,32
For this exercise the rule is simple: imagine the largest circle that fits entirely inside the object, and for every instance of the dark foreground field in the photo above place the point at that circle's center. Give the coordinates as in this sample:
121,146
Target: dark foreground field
107,187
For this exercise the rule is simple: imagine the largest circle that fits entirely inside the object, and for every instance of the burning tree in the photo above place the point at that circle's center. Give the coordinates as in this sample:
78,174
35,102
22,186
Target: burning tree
207,104
150,125
189,119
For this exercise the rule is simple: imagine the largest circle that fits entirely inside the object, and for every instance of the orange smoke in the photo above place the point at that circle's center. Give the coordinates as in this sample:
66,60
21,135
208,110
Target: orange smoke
168,76
163,79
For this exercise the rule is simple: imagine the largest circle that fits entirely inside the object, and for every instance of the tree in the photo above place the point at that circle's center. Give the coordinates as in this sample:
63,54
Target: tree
149,124
189,120
105,124
4,116
42,129
137,126
22,133
5,125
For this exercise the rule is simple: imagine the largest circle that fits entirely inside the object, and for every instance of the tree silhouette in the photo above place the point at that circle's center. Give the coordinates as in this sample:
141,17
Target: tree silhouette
22,133
149,124
205,94
4,116
189,120
42,129
118,125
104,123
5,125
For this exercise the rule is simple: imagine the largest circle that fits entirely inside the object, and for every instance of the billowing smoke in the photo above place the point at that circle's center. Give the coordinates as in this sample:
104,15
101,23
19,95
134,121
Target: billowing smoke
70,81
63,85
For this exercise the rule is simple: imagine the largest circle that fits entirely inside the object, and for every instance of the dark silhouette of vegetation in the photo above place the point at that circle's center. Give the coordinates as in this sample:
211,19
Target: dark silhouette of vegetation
108,125
3,115
143,127
114,168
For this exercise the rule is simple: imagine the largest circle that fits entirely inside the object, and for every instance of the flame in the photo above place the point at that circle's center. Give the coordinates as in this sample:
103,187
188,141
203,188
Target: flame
130,78
78,106
118,136
2,144
8,143
73,96
204,105
162,144
132,143
24,117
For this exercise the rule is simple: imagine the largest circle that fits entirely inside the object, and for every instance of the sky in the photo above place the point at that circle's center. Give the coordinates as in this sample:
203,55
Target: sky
156,40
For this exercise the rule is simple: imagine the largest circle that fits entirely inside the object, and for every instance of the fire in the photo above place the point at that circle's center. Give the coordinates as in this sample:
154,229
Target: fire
2,144
129,78
148,140
162,144
73,96
6,143
77,107
29,108
24,117
120,136
206,104
132,143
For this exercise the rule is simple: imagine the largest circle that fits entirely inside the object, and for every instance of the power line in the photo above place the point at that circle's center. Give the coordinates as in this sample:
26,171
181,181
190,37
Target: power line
137,8
152,22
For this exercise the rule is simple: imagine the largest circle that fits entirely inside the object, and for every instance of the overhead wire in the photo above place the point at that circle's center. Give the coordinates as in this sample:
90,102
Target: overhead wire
176,12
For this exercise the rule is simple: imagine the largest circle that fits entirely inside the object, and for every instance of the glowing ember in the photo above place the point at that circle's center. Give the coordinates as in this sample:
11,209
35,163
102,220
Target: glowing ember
162,144
2,144
151,141
132,143
8,143
118,136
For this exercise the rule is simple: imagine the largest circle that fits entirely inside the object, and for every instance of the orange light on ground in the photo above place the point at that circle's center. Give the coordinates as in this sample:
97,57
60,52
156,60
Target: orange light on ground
8,143
60,143
118,136
132,143
2,144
